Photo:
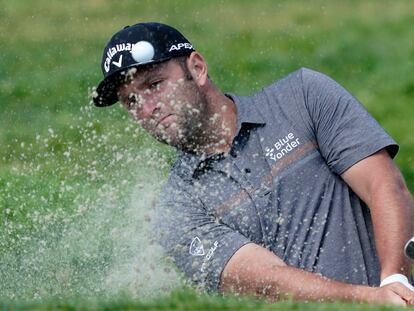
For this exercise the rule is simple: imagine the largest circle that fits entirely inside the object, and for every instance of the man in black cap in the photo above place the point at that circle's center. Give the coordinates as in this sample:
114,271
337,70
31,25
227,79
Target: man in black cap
290,192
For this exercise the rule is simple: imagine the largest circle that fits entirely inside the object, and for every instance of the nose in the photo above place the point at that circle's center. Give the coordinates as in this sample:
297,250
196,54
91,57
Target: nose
149,108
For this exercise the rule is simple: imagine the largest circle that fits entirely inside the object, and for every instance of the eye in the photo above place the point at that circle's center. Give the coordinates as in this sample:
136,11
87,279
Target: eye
155,84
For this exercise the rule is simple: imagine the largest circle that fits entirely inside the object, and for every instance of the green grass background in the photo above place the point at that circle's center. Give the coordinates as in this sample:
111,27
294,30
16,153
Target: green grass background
60,156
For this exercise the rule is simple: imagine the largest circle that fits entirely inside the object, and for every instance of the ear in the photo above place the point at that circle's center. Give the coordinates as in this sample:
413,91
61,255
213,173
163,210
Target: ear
198,68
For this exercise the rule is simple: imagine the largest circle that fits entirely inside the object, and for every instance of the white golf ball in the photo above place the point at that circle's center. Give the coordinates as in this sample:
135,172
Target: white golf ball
142,52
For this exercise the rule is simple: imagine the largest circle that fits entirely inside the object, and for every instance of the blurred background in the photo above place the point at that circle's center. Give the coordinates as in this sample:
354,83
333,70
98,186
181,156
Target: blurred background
77,183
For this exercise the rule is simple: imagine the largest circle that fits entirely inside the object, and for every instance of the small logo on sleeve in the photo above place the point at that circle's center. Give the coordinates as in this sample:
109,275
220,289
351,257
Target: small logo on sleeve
210,254
196,247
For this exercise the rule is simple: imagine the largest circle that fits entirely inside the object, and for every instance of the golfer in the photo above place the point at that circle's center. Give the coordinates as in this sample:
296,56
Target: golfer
289,193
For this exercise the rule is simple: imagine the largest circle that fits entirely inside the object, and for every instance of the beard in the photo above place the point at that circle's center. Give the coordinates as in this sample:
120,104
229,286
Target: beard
189,132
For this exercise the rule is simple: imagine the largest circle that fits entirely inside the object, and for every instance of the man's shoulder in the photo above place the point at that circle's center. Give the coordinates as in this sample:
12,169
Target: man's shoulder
290,87
283,102
292,82
282,90
296,78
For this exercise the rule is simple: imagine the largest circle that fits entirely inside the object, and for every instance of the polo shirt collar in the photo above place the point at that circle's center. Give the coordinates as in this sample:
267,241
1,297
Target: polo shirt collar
247,113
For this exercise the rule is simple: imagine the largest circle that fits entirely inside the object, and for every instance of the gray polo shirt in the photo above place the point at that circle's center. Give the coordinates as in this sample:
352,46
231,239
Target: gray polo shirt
280,186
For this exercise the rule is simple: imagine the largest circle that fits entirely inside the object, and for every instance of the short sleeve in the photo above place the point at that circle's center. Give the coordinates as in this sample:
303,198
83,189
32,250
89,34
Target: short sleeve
345,132
198,244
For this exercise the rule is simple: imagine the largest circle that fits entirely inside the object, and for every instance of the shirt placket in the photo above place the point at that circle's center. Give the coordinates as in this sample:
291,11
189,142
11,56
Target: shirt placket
258,194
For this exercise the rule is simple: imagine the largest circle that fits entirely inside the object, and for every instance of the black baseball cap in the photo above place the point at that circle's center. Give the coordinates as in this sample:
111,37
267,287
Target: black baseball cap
134,46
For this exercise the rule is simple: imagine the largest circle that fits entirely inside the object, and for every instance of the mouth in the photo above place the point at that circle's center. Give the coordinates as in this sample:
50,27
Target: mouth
164,120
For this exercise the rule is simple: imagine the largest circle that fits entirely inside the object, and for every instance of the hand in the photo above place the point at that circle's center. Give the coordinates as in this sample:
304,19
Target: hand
394,293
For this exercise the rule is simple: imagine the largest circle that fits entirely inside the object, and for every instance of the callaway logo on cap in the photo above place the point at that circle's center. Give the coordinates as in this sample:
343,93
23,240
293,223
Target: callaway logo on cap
133,46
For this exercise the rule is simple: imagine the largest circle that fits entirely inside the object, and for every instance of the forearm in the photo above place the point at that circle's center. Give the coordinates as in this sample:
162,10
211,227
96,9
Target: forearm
255,271
379,183
391,207
297,284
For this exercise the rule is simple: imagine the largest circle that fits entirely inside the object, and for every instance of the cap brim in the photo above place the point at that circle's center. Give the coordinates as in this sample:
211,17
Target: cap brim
106,92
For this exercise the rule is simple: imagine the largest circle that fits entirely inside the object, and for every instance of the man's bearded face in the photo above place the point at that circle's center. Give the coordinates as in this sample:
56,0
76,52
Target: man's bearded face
167,102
